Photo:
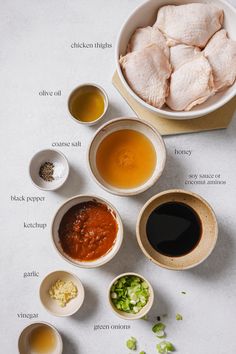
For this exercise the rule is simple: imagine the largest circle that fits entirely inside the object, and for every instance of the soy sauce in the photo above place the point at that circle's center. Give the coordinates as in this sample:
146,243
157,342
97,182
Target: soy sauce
173,229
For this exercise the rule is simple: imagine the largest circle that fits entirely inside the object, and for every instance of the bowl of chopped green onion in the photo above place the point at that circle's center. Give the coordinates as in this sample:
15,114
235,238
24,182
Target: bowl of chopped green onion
130,296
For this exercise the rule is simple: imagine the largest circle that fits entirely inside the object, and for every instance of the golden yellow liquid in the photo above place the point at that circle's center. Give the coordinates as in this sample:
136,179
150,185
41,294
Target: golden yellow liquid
87,104
126,159
42,340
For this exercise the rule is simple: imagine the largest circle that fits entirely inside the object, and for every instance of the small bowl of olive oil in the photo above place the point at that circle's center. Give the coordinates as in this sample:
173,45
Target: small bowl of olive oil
40,337
88,104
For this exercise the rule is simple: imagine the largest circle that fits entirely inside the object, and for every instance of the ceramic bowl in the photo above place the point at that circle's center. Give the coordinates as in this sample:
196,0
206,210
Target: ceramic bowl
52,305
89,86
208,224
134,124
56,223
145,15
23,342
61,168
143,311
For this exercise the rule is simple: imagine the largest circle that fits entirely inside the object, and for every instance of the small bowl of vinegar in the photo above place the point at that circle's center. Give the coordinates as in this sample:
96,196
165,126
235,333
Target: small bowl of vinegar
40,337
88,104
126,156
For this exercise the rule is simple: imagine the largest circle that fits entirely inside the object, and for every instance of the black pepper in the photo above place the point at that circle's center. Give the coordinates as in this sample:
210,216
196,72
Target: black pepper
46,171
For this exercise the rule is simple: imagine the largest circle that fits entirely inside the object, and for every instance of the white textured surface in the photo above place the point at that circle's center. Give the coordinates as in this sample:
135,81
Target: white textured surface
36,55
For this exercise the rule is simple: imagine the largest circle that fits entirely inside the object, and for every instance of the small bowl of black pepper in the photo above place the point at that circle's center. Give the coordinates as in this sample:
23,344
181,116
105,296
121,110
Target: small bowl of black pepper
49,169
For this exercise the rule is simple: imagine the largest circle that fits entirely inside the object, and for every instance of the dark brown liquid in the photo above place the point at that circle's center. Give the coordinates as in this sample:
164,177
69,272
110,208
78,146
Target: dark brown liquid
173,229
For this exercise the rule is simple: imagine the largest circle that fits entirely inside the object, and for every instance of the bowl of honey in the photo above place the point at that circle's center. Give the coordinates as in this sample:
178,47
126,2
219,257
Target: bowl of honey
126,156
88,104
177,229
40,337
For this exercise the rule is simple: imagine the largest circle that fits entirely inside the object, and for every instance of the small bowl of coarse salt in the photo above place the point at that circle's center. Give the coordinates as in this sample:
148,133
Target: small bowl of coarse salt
49,169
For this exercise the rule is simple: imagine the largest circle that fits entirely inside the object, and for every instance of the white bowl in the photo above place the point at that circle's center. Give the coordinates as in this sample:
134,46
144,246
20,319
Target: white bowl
143,311
134,124
145,15
58,159
57,220
52,305
23,342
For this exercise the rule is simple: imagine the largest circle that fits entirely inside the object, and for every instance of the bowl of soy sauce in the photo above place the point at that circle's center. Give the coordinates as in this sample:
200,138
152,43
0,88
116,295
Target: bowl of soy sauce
177,229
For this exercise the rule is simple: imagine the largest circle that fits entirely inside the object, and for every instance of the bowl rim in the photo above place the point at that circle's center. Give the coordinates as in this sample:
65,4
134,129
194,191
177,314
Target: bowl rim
63,179
81,294
106,103
119,240
60,351
178,191
176,115
148,304
132,191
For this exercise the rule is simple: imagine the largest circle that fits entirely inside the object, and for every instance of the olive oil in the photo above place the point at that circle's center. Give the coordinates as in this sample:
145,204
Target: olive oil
87,104
42,340
174,229
126,158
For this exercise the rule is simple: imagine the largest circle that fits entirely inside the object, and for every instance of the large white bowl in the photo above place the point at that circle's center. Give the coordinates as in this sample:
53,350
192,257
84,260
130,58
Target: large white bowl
145,15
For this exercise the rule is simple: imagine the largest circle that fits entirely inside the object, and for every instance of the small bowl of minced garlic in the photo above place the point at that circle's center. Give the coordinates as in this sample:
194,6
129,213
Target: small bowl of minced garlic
61,293
49,169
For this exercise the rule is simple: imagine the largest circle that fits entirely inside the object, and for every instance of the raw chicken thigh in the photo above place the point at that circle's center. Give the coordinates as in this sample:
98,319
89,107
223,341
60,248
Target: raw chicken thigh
143,37
190,85
147,72
182,53
191,24
221,53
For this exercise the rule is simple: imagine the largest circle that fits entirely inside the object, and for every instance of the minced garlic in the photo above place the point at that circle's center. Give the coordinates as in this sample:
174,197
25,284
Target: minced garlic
63,292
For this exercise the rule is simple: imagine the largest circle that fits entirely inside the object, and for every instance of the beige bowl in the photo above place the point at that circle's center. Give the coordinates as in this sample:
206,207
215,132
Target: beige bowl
134,124
56,223
145,15
88,86
208,223
23,342
143,311
61,167
52,305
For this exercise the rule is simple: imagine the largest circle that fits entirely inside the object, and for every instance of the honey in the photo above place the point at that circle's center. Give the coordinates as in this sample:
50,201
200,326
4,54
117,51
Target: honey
87,104
126,159
42,340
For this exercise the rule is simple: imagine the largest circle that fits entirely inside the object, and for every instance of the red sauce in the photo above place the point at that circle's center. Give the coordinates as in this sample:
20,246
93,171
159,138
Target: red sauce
88,231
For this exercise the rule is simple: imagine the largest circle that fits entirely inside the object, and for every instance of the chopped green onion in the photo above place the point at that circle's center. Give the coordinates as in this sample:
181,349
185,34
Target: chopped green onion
131,343
165,347
142,352
179,317
160,334
158,327
129,294
183,292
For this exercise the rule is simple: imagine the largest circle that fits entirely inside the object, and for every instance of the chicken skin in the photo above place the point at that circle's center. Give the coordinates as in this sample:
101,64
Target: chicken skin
221,53
192,24
182,53
147,72
143,37
191,84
